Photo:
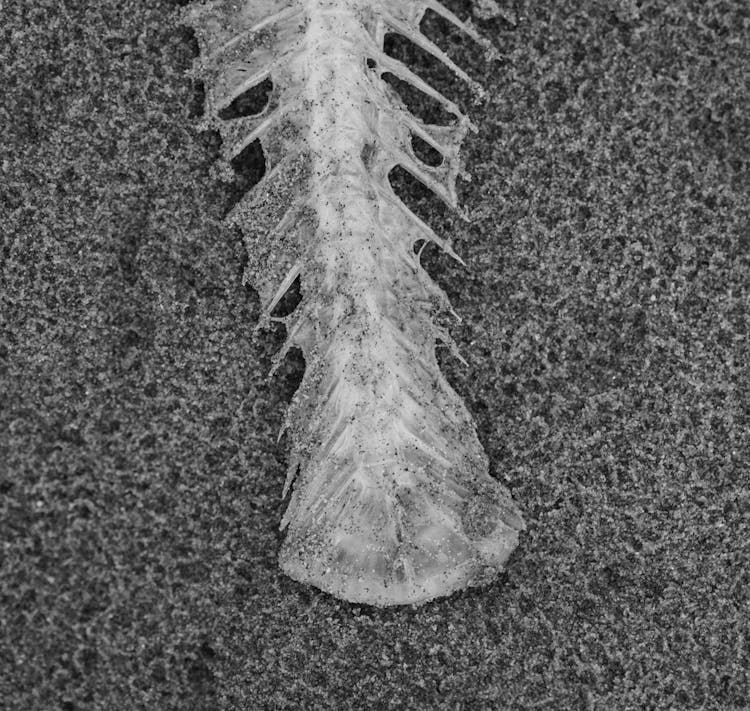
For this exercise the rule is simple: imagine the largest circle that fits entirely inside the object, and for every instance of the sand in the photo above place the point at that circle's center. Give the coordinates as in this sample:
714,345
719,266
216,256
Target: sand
605,324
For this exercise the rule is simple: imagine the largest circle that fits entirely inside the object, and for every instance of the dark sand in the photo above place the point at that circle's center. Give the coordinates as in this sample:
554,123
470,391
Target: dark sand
605,309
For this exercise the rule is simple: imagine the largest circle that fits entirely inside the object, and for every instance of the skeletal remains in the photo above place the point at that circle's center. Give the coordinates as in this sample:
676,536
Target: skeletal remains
391,502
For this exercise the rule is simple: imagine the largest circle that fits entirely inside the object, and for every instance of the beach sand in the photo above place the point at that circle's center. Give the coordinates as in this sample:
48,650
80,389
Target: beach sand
605,323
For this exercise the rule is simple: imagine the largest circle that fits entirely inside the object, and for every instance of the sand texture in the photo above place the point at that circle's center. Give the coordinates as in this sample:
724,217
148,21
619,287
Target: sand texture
605,324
